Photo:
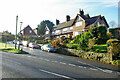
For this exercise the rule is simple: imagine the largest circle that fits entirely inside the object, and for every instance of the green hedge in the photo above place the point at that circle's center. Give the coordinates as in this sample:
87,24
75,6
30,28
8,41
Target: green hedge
72,46
100,48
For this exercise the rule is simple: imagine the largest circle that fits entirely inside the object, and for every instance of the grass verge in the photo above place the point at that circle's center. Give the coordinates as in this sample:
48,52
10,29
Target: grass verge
9,48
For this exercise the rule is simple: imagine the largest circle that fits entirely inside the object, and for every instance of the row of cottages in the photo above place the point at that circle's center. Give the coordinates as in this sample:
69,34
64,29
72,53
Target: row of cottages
74,27
29,32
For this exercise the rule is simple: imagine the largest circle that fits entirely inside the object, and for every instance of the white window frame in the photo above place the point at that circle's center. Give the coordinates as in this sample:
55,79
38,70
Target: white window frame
71,28
77,24
65,29
78,32
30,31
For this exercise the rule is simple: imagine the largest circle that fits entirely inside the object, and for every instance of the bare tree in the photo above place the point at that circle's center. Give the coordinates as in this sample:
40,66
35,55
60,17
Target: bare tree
112,24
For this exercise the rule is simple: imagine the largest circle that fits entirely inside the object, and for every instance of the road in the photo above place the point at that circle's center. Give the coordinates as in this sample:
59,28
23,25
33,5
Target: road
41,64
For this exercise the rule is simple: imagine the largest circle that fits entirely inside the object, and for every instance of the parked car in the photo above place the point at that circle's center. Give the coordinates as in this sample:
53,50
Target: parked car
48,48
19,43
33,45
25,43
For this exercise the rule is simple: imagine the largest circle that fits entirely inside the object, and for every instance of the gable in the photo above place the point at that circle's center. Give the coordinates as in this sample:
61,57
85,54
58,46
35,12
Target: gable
28,31
78,18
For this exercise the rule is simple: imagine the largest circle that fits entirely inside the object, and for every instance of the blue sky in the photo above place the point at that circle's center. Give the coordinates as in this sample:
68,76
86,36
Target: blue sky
32,12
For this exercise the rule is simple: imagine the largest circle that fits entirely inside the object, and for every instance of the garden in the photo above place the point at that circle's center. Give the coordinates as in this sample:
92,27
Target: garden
96,39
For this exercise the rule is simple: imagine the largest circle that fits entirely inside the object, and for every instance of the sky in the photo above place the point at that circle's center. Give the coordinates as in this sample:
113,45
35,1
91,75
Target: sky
32,12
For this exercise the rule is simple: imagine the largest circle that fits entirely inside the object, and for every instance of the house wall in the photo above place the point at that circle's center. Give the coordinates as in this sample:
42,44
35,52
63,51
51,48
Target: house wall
78,28
28,32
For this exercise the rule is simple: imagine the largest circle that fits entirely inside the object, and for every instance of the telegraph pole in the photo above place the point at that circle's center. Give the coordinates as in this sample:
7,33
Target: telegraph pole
16,31
20,36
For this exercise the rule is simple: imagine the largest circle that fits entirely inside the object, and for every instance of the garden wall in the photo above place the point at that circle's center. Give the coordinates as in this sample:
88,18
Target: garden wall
113,53
103,57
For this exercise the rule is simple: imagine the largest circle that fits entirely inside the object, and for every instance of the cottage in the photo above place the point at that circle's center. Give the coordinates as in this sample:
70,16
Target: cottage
81,23
28,31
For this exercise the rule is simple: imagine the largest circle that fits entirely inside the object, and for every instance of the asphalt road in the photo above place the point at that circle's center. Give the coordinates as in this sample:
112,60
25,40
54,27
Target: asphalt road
41,64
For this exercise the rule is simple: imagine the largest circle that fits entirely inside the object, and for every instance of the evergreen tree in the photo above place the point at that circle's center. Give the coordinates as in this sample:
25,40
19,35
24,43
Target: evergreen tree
42,25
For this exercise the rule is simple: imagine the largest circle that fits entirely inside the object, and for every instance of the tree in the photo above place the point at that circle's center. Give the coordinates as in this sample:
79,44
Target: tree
112,24
42,25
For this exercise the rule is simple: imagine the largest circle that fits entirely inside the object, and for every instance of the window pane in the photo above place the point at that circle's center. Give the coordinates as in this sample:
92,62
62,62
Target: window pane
78,24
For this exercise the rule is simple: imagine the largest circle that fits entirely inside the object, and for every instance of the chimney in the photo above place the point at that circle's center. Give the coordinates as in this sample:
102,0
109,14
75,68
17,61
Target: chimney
81,12
67,18
57,22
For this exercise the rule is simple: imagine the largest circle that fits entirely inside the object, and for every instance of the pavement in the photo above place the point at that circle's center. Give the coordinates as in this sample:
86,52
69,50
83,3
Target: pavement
41,64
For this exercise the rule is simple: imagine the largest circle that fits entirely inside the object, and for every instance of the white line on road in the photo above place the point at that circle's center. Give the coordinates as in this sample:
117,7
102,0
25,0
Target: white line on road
55,61
81,67
107,71
62,63
71,64
93,69
55,74
81,62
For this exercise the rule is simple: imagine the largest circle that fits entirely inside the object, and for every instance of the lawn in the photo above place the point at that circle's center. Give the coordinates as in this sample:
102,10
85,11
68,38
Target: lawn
100,48
9,48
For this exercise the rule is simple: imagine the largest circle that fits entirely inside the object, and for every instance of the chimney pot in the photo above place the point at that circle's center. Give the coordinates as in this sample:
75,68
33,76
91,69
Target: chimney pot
57,22
67,18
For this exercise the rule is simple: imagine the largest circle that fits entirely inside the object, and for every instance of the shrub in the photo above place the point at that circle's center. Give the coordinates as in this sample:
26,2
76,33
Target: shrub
58,43
110,41
91,43
72,46
97,50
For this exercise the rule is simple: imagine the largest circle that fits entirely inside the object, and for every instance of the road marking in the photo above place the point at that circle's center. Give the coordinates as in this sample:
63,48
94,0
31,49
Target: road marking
93,69
55,61
80,66
62,63
55,74
107,71
81,62
71,64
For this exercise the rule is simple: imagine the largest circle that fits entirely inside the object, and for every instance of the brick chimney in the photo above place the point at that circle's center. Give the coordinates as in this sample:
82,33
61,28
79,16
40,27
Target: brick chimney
67,18
57,22
81,12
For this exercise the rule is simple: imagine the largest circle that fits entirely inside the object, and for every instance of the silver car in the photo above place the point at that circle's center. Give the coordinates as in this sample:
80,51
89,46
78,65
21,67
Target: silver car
48,48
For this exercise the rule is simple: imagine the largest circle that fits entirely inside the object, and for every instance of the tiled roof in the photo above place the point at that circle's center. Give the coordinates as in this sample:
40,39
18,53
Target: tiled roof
64,24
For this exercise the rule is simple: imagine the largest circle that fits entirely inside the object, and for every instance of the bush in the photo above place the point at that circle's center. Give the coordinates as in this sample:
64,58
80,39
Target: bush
58,43
97,50
72,46
110,41
116,62
100,48
91,43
